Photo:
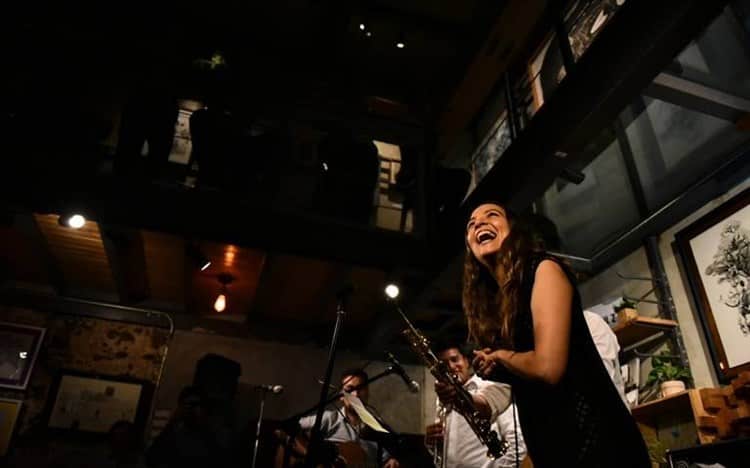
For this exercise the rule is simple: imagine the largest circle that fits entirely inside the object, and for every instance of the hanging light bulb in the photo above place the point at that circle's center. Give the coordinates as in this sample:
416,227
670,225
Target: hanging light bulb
221,303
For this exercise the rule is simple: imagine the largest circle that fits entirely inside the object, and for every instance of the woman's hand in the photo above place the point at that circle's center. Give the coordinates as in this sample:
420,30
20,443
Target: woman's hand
485,361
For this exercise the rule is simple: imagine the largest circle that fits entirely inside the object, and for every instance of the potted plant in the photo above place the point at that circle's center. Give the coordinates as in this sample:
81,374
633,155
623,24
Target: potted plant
670,377
626,310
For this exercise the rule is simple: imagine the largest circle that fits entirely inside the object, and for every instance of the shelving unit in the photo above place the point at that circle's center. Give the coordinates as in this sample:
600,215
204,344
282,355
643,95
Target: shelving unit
641,328
677,403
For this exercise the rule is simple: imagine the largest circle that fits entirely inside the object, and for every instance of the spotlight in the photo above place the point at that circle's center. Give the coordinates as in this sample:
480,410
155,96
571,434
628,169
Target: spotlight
196,255
392,291
400,45
368,34
72,220
361,26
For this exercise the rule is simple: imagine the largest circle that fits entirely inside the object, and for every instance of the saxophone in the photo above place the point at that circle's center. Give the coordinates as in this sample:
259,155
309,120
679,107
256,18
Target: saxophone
464,403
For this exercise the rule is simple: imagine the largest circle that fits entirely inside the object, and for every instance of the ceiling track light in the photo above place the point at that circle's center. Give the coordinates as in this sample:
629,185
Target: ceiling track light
196,255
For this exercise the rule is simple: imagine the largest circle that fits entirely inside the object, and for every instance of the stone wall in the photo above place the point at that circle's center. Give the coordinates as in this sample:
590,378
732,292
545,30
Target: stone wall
86,345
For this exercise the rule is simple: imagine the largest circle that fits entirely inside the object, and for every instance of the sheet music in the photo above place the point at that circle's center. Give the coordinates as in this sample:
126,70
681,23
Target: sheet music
364,415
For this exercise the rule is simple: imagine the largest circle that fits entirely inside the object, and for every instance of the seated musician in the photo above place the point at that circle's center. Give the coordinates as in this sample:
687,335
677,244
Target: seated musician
460,446
344,425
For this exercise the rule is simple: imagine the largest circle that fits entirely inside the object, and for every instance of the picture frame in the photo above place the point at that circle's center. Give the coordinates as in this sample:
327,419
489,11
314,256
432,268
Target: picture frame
19,348
715,252
9,411
91,404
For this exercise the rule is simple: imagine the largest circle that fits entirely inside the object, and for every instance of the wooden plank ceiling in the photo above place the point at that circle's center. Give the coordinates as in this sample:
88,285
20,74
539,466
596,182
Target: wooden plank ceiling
79,255
275,289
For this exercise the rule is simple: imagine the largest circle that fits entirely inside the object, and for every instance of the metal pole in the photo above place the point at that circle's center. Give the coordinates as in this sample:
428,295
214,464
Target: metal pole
664,294
257,429
315,437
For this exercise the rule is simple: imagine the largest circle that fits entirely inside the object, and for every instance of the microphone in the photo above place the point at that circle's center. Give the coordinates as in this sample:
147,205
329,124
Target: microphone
412,385
275,389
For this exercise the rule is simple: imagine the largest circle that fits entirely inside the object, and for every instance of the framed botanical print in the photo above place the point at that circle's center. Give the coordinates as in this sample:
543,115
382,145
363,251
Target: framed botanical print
19,347
716,254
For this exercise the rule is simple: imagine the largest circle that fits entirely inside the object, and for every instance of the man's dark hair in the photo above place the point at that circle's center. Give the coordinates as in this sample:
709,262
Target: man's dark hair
444,344
355,372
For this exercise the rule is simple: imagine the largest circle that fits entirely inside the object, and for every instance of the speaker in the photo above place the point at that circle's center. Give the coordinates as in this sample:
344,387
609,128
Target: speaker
217,376
728,454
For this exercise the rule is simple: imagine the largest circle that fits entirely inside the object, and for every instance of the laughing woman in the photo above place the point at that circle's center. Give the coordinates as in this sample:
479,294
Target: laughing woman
522,308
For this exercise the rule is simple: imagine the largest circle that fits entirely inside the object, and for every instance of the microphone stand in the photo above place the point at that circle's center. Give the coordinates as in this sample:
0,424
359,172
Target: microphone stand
315,437
260,420
388,370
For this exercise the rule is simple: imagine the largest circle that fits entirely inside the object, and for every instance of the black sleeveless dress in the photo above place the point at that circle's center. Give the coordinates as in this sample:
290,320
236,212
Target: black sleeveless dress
581,421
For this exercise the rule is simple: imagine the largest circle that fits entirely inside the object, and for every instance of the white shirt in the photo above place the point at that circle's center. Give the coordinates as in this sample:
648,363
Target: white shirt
462,448
335,428
609,349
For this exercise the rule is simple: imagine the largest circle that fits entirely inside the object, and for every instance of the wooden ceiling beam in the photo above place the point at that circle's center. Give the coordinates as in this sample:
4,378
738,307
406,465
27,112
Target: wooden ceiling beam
127,260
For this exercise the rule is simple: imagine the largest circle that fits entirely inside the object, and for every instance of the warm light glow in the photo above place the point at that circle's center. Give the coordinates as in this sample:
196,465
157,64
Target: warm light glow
76,221
368,34
362,26
23,354
400,45
221,303
206,265
392,291
229,255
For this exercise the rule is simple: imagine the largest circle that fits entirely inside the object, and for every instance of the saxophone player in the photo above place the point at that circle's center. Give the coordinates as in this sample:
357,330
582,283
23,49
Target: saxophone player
451,440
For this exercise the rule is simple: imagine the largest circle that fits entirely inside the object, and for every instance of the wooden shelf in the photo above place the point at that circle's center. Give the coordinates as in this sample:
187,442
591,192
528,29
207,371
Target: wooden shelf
679,403
640,328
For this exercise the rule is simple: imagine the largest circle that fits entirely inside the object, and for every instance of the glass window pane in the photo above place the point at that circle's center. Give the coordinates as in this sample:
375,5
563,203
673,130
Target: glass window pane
672,146
593,213
719,57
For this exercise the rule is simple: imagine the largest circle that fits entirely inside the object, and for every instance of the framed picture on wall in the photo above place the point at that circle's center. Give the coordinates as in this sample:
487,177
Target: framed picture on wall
716,254
92,404
9,410
19,347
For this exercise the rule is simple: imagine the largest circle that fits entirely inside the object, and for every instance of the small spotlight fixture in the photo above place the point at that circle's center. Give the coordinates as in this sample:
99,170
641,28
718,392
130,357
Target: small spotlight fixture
392,291
400,45
368,34
72,220
361,26
197,256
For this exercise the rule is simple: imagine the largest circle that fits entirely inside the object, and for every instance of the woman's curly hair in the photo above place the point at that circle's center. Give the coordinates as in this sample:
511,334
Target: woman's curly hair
491,308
